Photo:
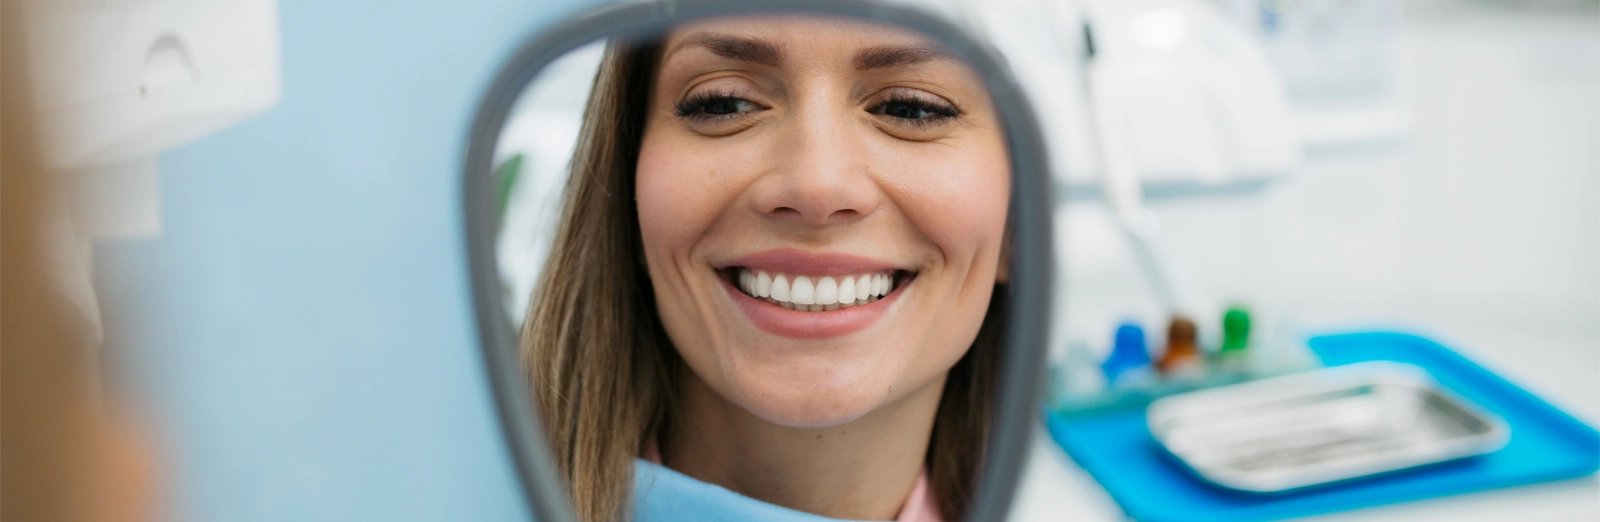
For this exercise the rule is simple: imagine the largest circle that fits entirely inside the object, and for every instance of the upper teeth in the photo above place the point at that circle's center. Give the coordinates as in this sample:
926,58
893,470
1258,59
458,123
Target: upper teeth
815,294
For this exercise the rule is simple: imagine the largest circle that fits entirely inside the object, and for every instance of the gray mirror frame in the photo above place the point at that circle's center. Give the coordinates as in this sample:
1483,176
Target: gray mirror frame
1022,365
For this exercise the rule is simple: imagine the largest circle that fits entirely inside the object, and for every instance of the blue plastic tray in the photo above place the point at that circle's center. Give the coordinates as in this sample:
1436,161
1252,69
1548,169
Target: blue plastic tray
1546,444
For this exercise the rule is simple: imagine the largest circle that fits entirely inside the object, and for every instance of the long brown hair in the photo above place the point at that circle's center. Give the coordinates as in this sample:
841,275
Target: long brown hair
602,369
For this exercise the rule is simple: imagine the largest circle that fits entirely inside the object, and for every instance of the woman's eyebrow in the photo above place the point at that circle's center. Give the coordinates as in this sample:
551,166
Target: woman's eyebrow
896,56
741,48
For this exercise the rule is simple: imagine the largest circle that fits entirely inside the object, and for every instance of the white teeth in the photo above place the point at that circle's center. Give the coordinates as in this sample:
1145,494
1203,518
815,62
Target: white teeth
763,284
827,291
814,294
780,288
802,293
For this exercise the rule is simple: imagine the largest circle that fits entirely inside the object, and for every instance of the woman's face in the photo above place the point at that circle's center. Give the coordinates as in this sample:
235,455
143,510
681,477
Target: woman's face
823,209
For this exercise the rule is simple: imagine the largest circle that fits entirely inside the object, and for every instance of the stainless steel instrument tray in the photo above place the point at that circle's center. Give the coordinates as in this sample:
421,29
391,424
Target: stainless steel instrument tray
1322,426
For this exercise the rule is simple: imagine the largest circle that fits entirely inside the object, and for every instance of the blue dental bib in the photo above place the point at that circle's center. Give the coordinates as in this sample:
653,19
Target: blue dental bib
663,495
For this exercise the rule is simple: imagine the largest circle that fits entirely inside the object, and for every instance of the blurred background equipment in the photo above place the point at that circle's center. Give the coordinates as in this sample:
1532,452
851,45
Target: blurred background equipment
1446,186
106,88
115,84
1338,60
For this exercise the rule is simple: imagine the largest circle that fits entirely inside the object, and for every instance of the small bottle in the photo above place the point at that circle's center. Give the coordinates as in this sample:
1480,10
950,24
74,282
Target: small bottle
1235,332
1233,356
1182,360
1129,363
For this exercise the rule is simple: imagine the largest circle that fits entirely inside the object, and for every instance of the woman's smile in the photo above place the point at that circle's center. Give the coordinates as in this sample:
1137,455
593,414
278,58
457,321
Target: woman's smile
794,293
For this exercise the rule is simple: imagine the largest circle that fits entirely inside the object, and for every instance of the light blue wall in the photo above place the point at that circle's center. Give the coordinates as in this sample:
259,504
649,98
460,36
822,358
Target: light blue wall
301,329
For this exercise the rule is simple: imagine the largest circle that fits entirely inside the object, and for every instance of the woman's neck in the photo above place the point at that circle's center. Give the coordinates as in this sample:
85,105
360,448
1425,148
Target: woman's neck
860,470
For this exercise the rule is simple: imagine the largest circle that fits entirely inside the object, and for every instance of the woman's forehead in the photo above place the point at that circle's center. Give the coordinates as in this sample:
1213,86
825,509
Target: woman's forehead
775,39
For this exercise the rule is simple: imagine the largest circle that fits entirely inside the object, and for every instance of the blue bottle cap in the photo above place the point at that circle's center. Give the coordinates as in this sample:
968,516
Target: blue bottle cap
1129,351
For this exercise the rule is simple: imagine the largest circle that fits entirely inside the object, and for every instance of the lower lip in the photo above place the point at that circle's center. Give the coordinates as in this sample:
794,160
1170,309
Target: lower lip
811,325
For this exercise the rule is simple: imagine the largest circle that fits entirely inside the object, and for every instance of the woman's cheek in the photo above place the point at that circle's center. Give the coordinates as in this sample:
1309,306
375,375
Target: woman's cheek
683,184
664,198
960,202
983,197
979,182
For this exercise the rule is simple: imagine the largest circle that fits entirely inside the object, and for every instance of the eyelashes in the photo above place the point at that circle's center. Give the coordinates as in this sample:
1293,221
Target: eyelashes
714,105
916,110
911,109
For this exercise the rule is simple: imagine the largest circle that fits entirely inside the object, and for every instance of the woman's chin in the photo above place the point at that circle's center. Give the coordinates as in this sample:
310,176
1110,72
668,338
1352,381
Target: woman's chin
801,404
808,415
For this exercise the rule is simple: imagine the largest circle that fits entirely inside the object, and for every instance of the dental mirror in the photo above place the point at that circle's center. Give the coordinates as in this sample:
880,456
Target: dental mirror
797,250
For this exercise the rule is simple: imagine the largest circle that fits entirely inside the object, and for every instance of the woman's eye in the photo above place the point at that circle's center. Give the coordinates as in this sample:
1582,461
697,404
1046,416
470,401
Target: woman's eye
723,106
915,111
714,106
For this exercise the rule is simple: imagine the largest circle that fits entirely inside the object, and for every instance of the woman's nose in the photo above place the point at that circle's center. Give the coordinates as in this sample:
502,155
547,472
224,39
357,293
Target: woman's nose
821,174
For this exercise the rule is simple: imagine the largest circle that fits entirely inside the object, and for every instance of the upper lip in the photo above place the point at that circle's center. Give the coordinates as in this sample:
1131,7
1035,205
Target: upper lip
795,261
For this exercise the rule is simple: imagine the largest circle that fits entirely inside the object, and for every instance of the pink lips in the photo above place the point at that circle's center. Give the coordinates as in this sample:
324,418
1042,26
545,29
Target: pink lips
792,261
810,325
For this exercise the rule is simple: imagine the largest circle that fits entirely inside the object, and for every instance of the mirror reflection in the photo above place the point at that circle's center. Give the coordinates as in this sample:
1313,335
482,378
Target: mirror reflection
767,254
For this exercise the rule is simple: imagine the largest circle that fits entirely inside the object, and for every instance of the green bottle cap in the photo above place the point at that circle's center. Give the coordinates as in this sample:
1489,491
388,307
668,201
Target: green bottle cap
1235,330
